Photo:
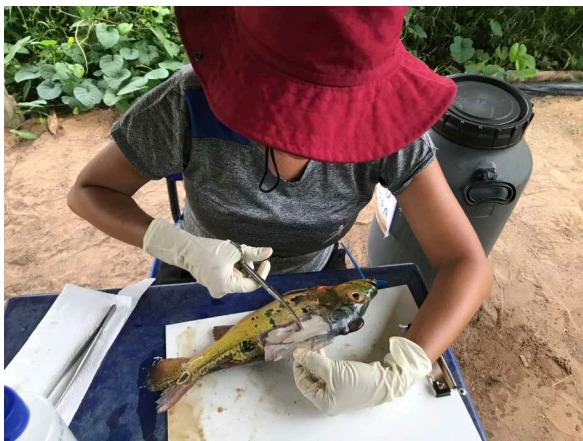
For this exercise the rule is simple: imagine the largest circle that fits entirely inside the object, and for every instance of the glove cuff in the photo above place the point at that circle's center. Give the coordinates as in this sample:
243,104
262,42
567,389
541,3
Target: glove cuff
167,242
410,356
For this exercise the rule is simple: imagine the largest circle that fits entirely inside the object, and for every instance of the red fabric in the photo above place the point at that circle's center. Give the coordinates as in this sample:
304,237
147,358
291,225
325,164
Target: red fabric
331,84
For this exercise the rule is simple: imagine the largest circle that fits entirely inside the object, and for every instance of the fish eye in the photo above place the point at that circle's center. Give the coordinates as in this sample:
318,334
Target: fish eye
356,296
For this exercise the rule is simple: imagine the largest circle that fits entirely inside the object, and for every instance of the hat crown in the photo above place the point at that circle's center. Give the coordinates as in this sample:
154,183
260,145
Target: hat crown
334,46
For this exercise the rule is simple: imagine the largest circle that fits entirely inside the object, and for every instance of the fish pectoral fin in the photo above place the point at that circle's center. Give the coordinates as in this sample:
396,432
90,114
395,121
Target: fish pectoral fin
165,373
276,352
219,331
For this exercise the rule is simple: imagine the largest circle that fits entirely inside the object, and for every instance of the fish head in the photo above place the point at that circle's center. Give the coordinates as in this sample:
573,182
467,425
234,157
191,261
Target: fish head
346,304
356,292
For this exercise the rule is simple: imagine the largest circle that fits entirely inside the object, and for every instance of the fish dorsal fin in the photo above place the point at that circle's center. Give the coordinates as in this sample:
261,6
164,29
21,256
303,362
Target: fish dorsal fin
219,331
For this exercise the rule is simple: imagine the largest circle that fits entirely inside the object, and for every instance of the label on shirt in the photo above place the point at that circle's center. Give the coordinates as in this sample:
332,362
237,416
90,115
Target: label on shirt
386,204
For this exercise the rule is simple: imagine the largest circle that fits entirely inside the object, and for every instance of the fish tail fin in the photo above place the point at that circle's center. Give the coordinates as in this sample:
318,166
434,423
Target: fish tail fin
171,395
165,373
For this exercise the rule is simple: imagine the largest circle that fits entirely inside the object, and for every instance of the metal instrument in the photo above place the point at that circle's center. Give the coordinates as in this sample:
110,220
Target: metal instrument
84,352
270,290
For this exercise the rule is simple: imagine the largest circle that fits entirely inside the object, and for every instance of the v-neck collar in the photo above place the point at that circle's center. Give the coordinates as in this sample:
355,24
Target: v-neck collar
259,155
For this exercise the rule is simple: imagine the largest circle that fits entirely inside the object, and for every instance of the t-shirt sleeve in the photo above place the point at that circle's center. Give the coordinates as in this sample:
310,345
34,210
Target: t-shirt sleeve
399,169
154,132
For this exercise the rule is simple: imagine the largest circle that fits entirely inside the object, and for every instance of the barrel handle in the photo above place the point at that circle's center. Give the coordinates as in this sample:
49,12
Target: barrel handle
482,184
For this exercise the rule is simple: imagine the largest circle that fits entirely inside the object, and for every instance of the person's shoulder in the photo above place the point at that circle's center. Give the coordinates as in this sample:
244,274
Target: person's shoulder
186,78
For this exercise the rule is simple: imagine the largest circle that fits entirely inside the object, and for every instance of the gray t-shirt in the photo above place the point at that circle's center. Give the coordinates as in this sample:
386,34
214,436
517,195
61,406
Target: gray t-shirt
172,125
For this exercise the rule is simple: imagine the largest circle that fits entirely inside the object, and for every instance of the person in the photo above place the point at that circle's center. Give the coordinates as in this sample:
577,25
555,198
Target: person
282,126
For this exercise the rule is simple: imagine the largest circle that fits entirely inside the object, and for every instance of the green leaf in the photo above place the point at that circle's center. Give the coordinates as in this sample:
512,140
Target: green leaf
33,104
88,94
74,53
15,48
110,98
129,54
492,69
481,55
520,64
462,49
148,54
111,64
124,28
47,71
172,48
418,31
85,11
70,42
24,134
72,102
122,106
526,73
135,84
108,36
48,90
63,72
501,53
70,84
80,24
157,74
474,67
496,28
517,51
48,42
529,61
77,70
28,72
115,80
171,65
26,89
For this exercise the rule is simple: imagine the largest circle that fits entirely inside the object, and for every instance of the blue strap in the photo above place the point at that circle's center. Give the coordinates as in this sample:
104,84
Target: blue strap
204,124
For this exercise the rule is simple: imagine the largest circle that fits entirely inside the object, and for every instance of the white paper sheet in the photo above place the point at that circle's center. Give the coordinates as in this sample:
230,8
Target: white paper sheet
39,367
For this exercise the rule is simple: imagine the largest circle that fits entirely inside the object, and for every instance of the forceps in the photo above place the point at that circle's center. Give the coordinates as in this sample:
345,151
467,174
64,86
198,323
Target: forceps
272,292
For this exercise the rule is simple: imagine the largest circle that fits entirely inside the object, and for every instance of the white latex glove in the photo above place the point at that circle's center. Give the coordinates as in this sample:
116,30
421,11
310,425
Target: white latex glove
336,386
210,261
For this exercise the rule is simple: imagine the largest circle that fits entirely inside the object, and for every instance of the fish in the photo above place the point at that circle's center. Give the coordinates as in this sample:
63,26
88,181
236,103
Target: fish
268,334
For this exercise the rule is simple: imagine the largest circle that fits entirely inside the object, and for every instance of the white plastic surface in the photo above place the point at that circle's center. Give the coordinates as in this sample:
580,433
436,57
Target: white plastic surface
44,424
261,402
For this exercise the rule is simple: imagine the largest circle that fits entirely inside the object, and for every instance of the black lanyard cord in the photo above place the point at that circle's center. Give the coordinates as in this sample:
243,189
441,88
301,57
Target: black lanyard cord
269,150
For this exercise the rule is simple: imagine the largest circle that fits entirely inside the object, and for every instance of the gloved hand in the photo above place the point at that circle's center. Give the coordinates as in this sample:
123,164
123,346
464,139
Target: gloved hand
336,386
210,261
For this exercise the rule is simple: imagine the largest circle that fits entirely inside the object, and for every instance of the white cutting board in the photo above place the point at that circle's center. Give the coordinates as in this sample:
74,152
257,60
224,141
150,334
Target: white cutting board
261,402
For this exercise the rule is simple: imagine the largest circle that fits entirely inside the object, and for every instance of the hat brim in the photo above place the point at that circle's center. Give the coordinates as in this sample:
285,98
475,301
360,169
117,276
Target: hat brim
331,124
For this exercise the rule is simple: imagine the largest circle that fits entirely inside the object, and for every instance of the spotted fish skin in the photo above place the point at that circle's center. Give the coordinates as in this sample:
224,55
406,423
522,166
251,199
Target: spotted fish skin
340,306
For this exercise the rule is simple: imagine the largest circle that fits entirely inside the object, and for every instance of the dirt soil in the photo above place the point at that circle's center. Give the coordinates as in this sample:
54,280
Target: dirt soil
522,355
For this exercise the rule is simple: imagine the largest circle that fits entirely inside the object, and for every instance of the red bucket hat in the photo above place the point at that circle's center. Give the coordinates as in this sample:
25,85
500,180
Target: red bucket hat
332,84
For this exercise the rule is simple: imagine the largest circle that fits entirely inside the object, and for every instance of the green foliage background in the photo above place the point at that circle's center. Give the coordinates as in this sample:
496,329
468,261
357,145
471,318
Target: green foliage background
77,58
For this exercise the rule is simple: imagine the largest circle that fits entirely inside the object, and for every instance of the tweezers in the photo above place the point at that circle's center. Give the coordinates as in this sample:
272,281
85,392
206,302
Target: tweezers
270,290
84,352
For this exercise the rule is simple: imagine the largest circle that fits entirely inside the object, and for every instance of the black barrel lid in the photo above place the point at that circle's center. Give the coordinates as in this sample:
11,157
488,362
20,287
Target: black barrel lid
487,113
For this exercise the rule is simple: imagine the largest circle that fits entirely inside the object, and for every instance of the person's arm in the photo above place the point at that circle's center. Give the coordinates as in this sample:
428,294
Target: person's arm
103,195
464,278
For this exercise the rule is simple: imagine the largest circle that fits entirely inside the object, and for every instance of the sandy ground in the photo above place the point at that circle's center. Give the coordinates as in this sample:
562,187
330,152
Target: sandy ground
536,308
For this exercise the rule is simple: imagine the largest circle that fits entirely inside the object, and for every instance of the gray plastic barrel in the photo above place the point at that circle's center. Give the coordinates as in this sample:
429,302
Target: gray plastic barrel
485,159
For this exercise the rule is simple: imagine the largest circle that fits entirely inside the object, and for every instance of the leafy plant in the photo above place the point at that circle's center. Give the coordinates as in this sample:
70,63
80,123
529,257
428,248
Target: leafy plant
553,36
87,56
